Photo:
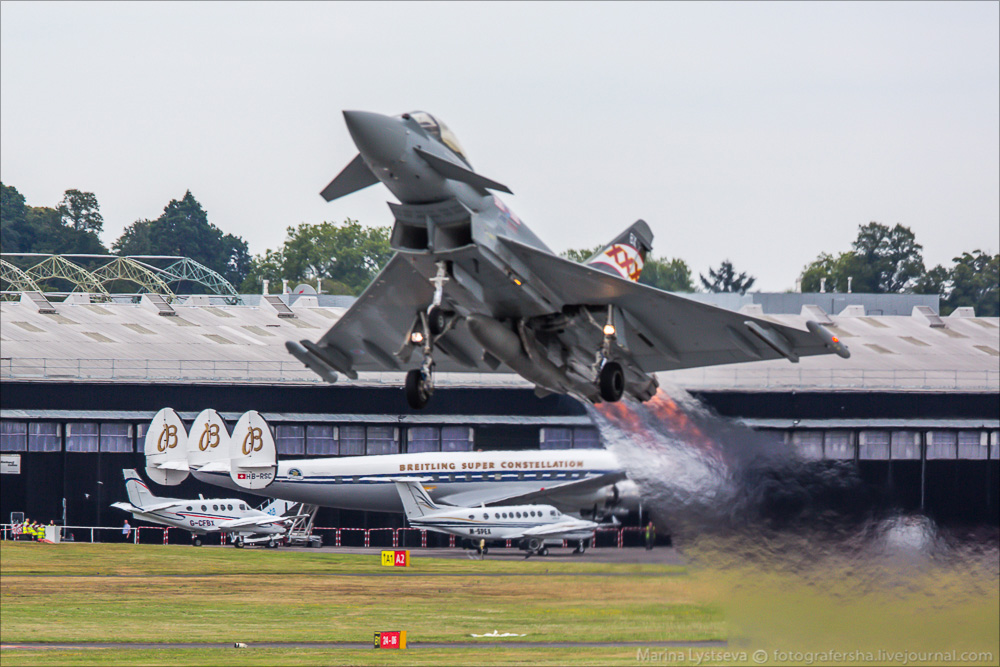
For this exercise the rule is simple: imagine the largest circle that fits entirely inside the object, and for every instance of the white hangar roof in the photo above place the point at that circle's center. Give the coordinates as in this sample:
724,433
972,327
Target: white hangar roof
203,341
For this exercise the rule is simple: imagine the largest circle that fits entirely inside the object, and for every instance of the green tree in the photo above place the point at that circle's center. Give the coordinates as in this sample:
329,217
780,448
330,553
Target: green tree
580,255
670,274
348,253
892,256
14,233
81,211
882,260
26,228
727,280
184,230
975,282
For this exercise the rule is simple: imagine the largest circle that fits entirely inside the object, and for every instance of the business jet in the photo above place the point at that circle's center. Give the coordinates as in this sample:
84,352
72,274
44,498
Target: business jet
229,516
530,525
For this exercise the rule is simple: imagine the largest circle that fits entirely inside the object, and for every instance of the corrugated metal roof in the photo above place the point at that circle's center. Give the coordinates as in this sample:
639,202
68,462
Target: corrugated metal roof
227,344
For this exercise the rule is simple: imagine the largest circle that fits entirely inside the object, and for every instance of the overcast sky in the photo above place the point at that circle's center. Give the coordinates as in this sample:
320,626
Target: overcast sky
764,133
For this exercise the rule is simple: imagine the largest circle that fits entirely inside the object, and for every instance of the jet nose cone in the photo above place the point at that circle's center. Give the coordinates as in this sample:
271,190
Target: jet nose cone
381,139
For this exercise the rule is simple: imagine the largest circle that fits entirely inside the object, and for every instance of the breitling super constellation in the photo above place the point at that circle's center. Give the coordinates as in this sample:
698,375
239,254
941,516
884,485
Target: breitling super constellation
471,288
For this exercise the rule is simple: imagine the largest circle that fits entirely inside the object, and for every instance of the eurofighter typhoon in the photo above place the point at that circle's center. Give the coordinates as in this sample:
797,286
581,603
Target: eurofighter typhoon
471,288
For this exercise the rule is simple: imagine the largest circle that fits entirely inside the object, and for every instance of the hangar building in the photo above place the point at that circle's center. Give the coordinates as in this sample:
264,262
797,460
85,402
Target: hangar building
915,407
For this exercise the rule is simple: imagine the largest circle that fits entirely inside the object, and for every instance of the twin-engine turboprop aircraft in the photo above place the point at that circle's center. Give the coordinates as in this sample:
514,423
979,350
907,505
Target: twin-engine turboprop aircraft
530,525
229,516
471,288
585,482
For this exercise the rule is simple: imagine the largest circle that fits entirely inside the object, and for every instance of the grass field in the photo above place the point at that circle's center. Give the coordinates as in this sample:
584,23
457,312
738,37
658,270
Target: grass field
129,593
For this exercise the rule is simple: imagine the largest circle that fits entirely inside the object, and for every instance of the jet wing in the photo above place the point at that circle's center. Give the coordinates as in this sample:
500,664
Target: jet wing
368,336
128,507
551,490
664,331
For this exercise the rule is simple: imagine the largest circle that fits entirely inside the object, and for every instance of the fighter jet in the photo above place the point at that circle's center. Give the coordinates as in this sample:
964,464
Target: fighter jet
230,516
471,288
530,525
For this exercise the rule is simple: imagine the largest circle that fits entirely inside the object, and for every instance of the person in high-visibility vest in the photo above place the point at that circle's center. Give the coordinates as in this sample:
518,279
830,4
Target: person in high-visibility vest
650,535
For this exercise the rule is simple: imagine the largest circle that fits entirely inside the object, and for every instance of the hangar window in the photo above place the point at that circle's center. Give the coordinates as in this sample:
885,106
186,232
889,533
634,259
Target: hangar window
290,439
382,440
942,445
116,437
322,440
352,440
873,445
585,437
456,438
838,445
82,437
905,445
555,438
808,444
423,439
972,445
13,436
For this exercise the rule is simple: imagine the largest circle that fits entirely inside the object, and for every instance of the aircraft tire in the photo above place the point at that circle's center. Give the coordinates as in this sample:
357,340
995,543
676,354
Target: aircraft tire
239,544
437,320
544,551
416,390
612,381
196,541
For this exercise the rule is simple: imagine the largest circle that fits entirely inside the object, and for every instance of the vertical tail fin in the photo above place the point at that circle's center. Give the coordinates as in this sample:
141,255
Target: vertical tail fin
416,502
138,493
625,255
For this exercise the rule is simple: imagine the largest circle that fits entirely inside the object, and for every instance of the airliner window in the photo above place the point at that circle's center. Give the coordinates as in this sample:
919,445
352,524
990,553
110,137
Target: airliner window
215,507
204,509
505,515
230,508
189,509
439,131
552,512
486,515
471,517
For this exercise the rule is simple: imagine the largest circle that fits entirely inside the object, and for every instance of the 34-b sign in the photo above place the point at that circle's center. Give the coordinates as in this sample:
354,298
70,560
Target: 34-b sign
396,558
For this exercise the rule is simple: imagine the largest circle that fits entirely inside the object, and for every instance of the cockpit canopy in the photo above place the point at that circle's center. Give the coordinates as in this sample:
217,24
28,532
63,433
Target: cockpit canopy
439,131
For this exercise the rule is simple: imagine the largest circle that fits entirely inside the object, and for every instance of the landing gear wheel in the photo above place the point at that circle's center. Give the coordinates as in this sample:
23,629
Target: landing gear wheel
544,551
437,320
196,541
612,381
418,390
239,543
581,547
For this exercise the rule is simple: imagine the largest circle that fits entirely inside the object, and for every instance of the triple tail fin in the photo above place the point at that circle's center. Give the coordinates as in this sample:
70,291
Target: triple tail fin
626,254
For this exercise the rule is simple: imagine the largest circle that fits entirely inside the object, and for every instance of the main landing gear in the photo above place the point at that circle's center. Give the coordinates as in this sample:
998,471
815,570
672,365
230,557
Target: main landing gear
433,324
